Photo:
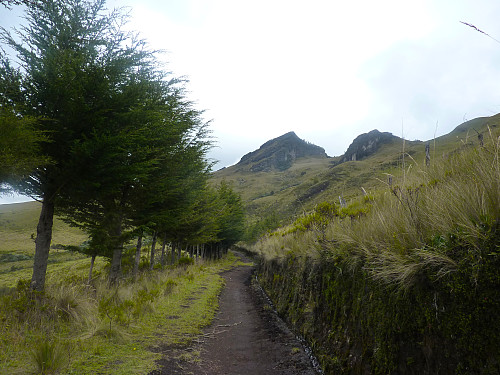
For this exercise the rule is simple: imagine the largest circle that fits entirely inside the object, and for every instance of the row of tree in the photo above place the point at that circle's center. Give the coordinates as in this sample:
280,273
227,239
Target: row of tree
103,137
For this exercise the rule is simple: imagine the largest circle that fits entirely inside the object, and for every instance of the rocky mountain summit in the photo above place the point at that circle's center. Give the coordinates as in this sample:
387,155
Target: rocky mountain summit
280,153
367,144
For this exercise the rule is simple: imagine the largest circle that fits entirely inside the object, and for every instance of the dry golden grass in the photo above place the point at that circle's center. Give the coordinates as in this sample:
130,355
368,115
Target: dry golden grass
310,181
408,223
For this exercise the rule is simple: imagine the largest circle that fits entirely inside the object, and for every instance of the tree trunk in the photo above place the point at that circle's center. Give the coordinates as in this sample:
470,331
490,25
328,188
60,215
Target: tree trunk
42,245
153,246
179,249
137,259
163,245
92,260
116,261
173,253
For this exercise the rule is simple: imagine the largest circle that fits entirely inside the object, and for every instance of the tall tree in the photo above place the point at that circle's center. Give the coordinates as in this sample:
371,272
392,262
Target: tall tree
231,216
140,172
78,71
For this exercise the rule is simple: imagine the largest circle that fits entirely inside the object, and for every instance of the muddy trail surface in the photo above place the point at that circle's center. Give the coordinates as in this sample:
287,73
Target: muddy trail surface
246,337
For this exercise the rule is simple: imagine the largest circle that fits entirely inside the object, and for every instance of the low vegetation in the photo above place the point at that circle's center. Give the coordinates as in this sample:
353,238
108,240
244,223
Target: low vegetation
403,281
76,328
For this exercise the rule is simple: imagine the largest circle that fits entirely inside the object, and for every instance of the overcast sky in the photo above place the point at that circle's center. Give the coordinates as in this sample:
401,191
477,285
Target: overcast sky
328,70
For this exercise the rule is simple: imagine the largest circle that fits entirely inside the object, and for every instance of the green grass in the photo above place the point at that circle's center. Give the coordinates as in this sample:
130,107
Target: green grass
108,331
79,329
398,229
410,275
18,223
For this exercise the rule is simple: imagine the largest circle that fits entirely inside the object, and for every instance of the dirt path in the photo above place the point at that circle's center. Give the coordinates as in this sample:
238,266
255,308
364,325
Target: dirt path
246,337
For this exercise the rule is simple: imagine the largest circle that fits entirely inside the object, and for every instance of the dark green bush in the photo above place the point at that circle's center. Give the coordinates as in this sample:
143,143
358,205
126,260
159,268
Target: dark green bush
185,261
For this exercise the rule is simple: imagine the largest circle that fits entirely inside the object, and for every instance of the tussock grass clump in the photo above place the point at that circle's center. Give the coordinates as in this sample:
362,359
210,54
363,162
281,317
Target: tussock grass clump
418,224
48,357
430,221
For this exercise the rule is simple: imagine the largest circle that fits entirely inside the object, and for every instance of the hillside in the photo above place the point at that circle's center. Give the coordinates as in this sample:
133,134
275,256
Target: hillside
287,176
18,223
404,281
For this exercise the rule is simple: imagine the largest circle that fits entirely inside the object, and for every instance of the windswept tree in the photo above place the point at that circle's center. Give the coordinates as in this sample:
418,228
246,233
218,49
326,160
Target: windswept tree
81,79
182,169
142,172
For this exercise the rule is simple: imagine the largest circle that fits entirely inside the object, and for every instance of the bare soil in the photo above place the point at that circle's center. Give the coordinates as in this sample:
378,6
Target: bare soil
246,337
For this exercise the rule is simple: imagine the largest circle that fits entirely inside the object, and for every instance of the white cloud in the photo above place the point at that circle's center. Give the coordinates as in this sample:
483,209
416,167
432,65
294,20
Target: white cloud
327,69
262,68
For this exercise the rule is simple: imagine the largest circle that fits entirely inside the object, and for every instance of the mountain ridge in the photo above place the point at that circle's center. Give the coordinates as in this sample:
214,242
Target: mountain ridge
301,182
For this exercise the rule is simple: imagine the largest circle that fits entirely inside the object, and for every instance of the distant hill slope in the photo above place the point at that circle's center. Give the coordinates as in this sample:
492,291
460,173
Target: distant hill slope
279,154
18,223
287,176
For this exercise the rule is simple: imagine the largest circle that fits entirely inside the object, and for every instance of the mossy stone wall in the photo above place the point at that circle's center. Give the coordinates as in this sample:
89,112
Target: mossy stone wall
358,325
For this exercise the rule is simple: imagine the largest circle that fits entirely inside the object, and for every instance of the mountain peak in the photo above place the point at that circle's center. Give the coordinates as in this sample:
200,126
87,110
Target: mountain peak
367,144
280,153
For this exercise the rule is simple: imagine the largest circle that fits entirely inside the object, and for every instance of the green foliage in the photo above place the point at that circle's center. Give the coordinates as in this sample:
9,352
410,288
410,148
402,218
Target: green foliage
264,225
19,141
8,257
230,217
325,213
21,300
185,261
48,357
126,148
356,209
113,309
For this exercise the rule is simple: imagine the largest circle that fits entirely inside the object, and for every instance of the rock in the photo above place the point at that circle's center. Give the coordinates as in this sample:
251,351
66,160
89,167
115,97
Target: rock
280,153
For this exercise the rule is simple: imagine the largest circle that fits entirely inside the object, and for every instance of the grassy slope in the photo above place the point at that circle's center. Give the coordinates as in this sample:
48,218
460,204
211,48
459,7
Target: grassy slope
410,287
17,226
294,190
313,180
71,316
18,223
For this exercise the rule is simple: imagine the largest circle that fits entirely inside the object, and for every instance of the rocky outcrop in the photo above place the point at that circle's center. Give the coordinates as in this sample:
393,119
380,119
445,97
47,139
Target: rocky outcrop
280,153
367,144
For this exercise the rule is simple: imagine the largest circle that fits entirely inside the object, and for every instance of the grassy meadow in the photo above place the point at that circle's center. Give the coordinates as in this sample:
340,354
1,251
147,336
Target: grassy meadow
76,328
404,279
17,247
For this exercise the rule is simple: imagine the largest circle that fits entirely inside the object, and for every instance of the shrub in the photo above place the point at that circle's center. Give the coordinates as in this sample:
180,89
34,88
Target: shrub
10,257
185,261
